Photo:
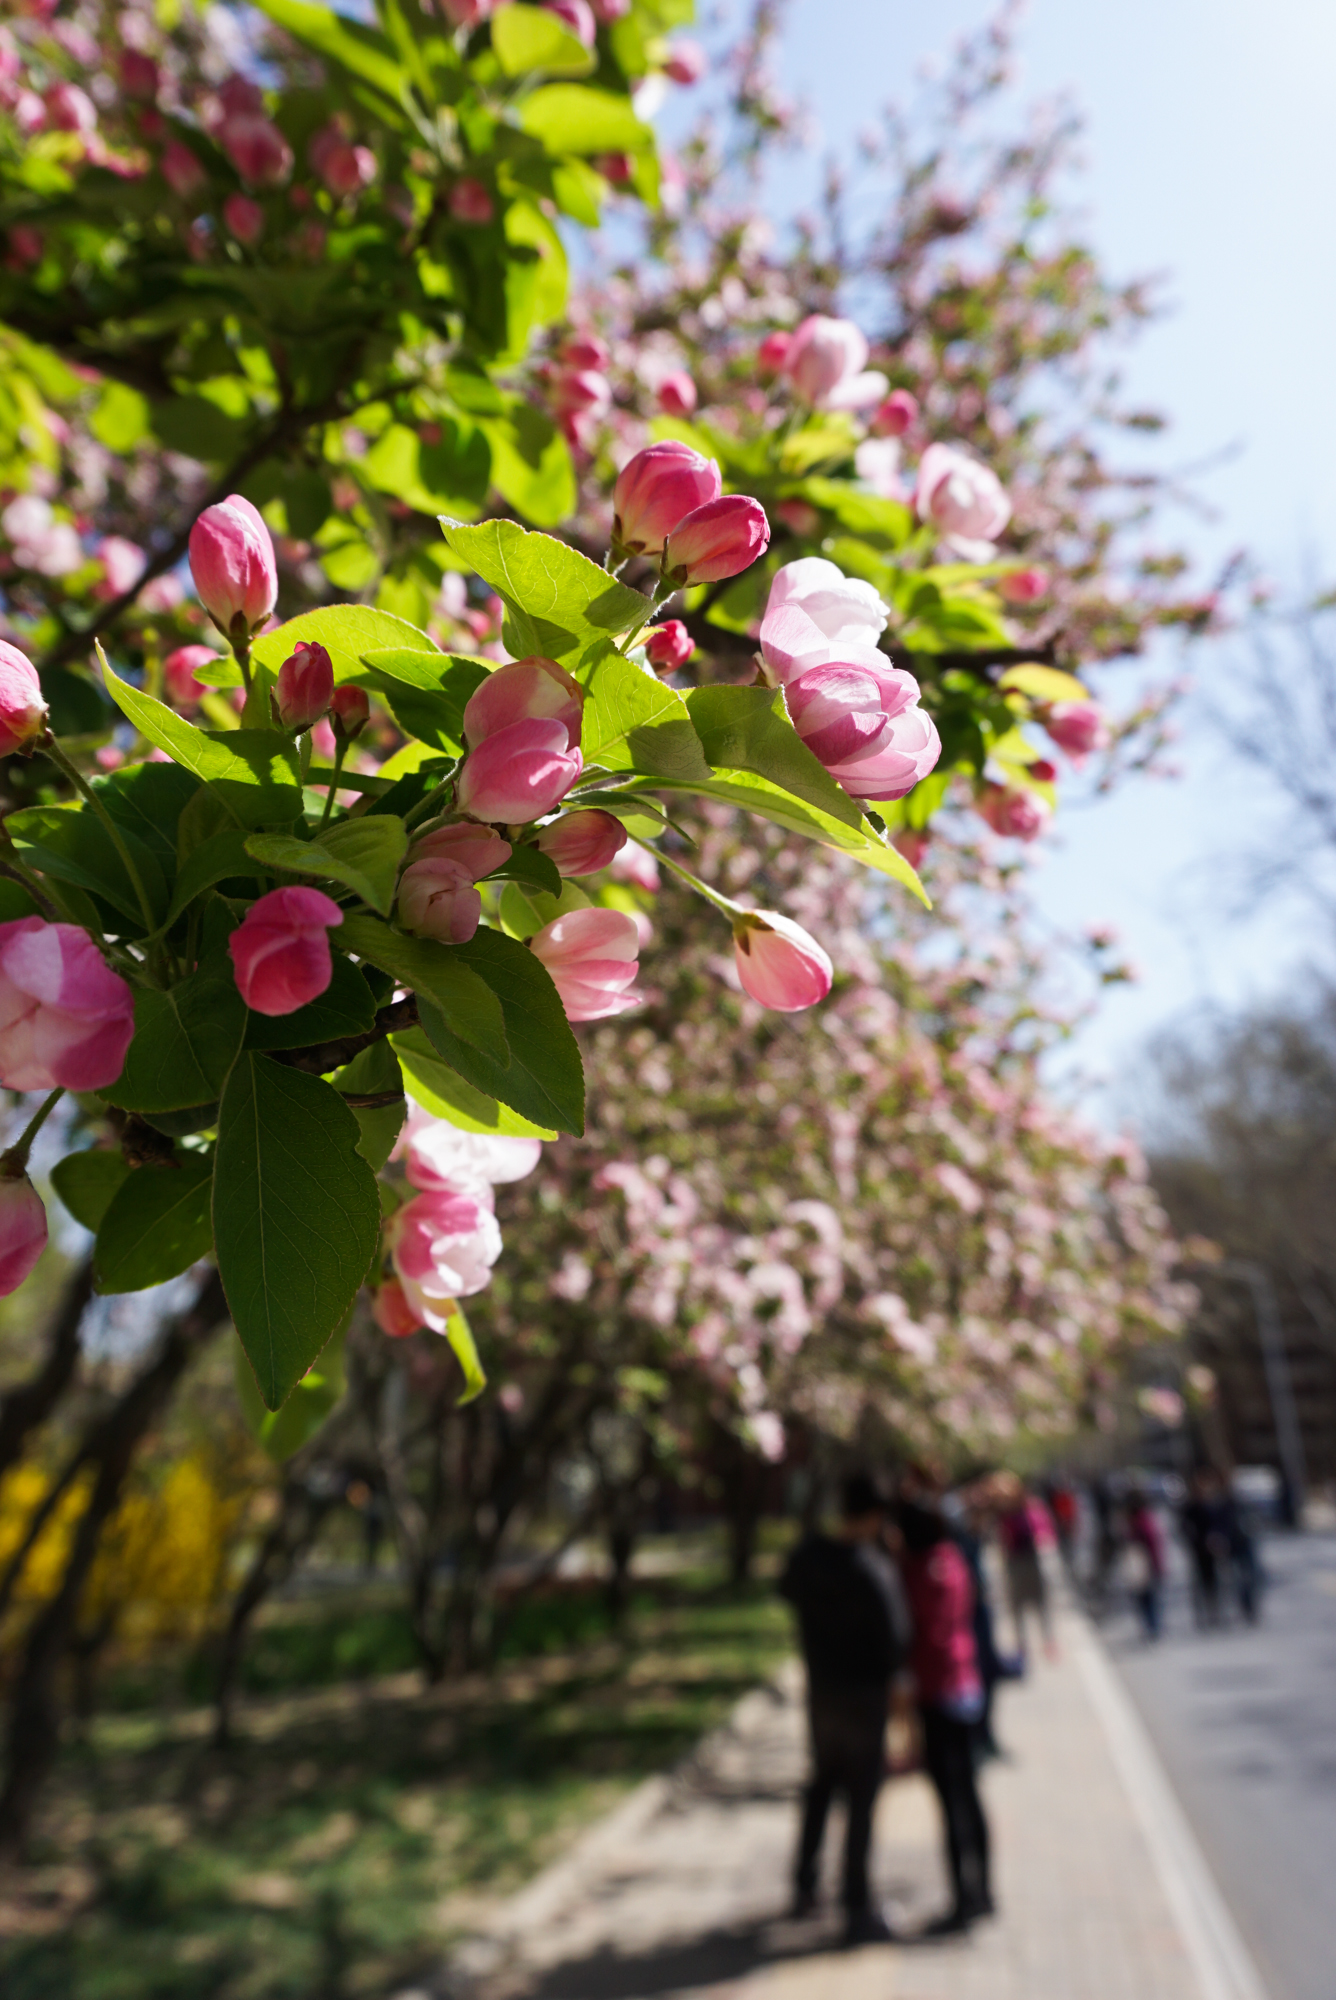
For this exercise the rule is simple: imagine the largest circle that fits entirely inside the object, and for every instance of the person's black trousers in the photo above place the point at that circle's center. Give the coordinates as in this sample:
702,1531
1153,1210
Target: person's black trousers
848,1756
948,1754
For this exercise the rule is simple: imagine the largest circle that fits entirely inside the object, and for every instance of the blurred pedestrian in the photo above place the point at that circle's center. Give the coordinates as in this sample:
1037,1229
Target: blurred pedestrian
1242,1548
1145,1561
1065,1510
855,1632
971,1532
1202,1521
1023,1524
950,1689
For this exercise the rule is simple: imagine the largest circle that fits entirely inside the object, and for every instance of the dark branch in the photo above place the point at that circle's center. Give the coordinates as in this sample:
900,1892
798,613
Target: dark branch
325,1056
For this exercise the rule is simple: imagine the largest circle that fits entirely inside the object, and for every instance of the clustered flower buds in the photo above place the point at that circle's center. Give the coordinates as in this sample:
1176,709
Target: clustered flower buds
669,502
593,957
305,687
66,1019
522,730
280,950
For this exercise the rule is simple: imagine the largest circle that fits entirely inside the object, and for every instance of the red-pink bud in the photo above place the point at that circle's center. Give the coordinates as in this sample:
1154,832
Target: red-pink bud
22,703
344,168
677,394
1045,771
391,1311
256,148
139,75
471,202
478,850
720,539
305,686
244,219
528,690
655,490
800,517
1024,586
584,350
280,951
582,842
617,168
1077,727
773,352
65,1017
1014,813
686,61
578,17
123,563
593,956
238,97
466,13
581,389
232,562
898,414
71,109
778,963
351,709
862,719
181,170
22,1231
437,900
669,646
519,774
913,842
609,11
179,671
25,246
826,363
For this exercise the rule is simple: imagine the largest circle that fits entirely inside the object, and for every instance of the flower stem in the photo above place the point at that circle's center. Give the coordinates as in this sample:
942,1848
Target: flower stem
340,752
724,903
14,1161
78,780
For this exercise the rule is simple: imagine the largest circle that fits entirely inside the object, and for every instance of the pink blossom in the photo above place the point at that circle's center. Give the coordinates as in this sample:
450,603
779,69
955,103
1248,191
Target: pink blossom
773,352
443,1246
826,362
669,646
686,61
779,963
582,843
244,219
238,97
1045,770
305,686
913,842
584,350
232,562
677,394
1024,586
877,463
800,517
656,490
637,864
814,614
22,703
529,690
162,593
29,113
593,957
720,539
140,76
471,202
40,541
71,109
964,1192
1014,813
863,721
22,1230
519,774
898,414
181,170
256,148
466,13
123,563
440,1157
476,849
391,1311
66,1019
280,951
179,671
964,500
582,390
578,16
343,167
437,900
1078,727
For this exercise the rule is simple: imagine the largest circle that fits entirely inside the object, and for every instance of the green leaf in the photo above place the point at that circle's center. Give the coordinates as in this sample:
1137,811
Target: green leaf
157,1225
75,706
254,771
375,1070
15,901
889,522
529,38
427,692
148,800
442,1091
529,864
559,602
362,854
572,118
346,1007
121,417
87,1181
748,729
70,843
296,1216
280,1433
438,975
1044,683
531,464
545,1079
460,1336
218,859
632,722
430,478
346,631
185,1042
361,51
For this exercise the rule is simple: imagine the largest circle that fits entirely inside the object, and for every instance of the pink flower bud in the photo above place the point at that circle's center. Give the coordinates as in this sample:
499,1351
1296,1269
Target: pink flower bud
827,364
123,563
22,1231
466,13
1077,727
244,219
444,1245
470,202
655,490
799,517
609,11
584,350
616,168
677,394
351,709
519,774
179,670
862,719
1013,813
578,16
1045,771
305,687
638,865
778,963
773,352
239,97
720,539
686,61
529,690
140,76
476,849
913,842
898,414
280,951
29,113
256,148
437,900
392,1312
65,1017
71,109
582,389
181,170
25,247
669,646
582,842
232,562
963,500
22,703
1024,586
593,957
344,168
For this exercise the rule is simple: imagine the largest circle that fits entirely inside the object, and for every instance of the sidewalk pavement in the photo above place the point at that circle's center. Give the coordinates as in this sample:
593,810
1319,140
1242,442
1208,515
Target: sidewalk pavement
1101,1891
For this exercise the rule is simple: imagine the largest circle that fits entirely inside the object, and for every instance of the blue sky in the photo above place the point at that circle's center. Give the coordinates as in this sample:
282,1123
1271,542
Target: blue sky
1210,157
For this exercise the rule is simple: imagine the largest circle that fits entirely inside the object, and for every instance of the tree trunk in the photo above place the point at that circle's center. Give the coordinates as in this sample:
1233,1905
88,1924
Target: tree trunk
31,1403
288,1539
34,1714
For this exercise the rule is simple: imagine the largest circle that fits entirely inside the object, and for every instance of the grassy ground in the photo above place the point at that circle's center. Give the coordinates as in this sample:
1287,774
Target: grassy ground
357,1825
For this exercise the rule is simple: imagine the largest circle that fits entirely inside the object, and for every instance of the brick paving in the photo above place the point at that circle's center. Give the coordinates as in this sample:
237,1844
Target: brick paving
681,1891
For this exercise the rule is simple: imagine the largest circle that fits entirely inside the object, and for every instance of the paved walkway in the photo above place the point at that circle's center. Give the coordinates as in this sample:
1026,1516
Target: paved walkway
1101,1891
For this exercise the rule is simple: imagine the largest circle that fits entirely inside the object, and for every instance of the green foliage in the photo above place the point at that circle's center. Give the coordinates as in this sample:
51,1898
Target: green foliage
363,855
558,602
442,1091
87,1181
544,1078
281,1432
156,1225
439,975
253,772
186,1041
